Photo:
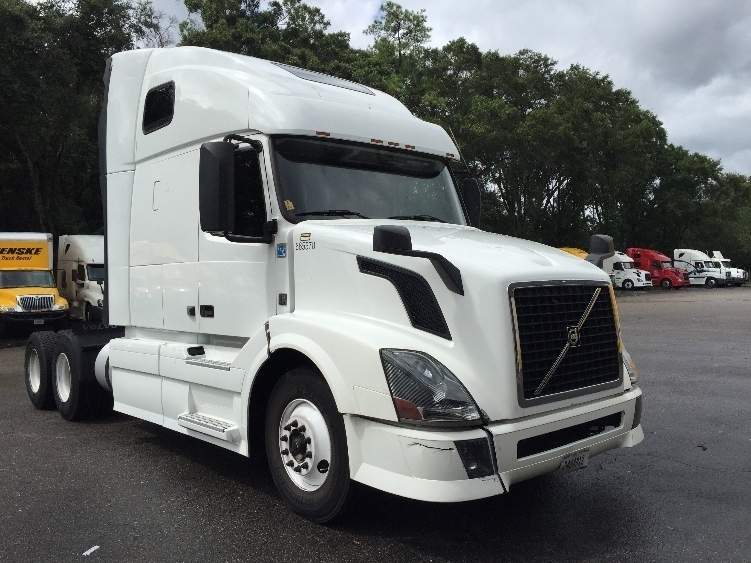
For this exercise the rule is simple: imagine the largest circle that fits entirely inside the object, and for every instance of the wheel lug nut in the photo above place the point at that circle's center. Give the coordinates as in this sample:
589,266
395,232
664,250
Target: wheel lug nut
283,438
308,454
290,463
303,465
288,427
307,440
293,424
297,469
285,451
302,428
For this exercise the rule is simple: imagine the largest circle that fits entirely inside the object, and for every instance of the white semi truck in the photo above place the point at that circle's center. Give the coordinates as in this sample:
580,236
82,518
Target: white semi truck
292,270
624,272
701,269
736,276
80,274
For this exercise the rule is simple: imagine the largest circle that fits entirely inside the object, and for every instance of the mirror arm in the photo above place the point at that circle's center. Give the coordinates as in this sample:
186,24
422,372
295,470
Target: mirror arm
255,144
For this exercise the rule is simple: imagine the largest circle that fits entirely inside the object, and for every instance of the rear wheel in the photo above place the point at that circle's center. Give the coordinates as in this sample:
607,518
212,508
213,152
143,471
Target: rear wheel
666,284
306,446
710,283
76,393
38,369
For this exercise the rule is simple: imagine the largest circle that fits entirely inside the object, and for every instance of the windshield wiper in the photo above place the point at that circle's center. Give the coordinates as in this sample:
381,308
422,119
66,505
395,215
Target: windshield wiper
333,213
422,217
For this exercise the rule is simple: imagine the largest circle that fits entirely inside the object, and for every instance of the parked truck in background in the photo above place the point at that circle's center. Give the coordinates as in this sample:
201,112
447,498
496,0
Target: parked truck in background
659,266
27,286
737,276
701,269
293,267
80,274
624,273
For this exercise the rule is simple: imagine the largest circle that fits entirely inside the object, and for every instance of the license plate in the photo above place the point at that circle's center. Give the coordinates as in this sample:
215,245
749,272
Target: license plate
38,321
574,461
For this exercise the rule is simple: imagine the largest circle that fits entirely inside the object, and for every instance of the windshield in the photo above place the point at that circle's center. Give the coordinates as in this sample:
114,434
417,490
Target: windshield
323,179
709,264
26,278
95,272
628,265
667,264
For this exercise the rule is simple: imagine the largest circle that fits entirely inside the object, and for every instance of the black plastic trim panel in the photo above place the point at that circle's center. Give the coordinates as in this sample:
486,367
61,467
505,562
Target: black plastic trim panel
417,296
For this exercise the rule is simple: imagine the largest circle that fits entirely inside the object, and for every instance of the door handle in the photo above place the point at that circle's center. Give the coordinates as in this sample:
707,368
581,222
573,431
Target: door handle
206,311
191,309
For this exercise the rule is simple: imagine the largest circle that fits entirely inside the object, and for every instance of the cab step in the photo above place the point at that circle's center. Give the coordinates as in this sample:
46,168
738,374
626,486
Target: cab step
209,425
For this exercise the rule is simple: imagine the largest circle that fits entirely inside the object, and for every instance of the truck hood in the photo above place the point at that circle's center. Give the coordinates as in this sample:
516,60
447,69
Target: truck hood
473,251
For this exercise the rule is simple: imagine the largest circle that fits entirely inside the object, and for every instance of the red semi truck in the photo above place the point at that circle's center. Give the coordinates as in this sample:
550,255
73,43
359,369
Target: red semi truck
660,266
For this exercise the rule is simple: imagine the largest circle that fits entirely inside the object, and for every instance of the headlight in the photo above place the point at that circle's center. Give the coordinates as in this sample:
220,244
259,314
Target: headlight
630,367
425,391
98,302
7,308
59,306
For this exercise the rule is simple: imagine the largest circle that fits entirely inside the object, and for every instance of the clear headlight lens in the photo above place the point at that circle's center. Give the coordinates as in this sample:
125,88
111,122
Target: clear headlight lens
630,367
425,391
7,308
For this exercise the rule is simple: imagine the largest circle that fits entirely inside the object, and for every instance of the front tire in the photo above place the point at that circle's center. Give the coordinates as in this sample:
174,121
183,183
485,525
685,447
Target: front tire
627,284
710,283
38,369
306,446
666,284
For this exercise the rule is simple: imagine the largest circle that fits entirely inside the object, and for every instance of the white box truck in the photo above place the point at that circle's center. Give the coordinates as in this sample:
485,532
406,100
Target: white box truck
736,276
80,274
291,269
624,272
701,269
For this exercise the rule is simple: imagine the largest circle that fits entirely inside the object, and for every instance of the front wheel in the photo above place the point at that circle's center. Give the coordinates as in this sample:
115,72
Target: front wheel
306,446
628,284
666,284
710,283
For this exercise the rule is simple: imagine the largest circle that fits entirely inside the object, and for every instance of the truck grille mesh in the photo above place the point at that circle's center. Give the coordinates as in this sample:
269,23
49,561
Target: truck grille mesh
36,302
544,315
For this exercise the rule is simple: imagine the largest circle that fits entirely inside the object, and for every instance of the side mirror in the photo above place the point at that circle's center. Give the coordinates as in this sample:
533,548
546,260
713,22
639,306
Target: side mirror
600,248
391,239
472,199
216,182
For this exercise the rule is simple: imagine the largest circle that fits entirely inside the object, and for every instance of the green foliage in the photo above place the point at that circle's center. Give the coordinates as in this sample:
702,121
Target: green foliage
561,152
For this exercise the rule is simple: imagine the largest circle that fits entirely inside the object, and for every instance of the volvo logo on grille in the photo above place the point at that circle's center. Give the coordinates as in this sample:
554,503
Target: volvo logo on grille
573,339
573,336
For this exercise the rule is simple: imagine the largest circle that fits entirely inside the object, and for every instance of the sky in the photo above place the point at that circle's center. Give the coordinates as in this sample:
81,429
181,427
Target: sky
688,61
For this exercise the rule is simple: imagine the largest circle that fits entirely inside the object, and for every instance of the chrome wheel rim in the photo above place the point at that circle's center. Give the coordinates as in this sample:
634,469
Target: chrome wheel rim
304,444
35,372
62,378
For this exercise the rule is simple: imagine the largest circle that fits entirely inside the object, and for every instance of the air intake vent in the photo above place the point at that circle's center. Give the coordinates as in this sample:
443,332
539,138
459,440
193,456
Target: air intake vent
567,340
418,298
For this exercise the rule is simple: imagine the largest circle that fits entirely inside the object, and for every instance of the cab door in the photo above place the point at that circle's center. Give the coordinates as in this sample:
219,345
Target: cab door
234,289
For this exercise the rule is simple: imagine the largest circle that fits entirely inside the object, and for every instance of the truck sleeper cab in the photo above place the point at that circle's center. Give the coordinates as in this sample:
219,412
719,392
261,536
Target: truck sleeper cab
292,260
701,269
624,272
736,276
80,274
659,266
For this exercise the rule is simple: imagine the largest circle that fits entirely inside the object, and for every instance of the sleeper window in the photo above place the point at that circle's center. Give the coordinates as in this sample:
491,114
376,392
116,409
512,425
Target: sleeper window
159,107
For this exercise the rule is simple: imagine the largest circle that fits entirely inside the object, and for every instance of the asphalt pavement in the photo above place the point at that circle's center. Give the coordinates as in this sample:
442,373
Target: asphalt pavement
140,492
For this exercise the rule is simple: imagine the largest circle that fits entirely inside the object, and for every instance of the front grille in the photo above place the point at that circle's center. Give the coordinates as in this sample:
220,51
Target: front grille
36,302
547,318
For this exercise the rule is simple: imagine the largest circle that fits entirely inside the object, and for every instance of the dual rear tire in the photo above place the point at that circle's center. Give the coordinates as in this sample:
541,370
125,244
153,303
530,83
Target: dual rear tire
59,372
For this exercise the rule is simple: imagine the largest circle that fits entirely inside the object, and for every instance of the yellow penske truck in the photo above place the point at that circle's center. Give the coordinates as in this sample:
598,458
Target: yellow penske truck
28,293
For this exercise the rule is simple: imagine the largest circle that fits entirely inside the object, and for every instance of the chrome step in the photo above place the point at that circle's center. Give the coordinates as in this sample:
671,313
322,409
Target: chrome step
209,425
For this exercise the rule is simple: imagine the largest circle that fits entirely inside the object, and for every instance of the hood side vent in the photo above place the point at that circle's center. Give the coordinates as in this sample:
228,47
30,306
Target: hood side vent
418,298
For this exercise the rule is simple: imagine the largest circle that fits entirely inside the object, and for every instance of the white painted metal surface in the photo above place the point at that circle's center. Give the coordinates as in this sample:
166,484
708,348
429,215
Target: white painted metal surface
625,275
79,254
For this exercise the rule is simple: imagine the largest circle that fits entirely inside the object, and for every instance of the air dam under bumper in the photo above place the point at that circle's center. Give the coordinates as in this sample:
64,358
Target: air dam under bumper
427,464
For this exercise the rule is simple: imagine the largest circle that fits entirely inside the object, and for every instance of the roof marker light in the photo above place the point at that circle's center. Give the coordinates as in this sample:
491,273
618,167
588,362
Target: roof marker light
450,155
393,144
376,141
323,133
409,147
